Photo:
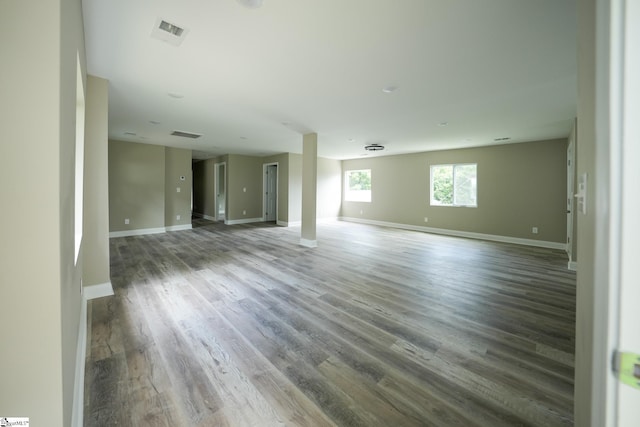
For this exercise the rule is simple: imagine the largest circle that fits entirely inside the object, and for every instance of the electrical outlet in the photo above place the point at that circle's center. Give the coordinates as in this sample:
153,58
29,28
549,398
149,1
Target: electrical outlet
361,211
178,217
426,219
244,212
178,190
126,221
534,230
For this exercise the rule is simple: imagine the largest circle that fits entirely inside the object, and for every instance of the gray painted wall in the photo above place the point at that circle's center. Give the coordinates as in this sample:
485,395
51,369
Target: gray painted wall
519,186
39,275
142,186
177,164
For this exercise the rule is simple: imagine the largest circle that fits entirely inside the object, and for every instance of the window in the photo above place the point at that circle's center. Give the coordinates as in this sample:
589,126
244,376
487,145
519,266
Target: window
357,185
79,160
454,185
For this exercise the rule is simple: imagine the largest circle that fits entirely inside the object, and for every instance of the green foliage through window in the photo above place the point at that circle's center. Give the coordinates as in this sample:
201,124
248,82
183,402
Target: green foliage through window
454,185
358,185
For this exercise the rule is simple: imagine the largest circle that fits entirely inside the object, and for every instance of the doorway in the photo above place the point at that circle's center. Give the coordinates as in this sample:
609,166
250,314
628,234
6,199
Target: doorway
220,175
270,199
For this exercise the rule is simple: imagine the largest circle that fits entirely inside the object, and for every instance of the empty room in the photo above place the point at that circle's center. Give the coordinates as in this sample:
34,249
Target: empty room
316,213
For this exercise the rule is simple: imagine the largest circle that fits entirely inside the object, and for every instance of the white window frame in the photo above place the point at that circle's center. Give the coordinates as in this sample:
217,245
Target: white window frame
433,202
356,195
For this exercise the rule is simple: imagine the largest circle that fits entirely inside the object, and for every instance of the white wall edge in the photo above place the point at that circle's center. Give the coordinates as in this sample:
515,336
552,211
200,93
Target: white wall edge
242,221
97,291
572,265
282,223
308,243
77,413
138,232
457,233
179,227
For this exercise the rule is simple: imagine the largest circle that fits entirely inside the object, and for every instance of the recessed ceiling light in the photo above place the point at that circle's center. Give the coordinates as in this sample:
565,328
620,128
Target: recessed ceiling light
443,124
176,95
390,89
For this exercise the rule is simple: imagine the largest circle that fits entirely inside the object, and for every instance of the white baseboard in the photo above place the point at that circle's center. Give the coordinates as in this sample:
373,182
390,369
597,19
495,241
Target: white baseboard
97,291
299,223
179,227
457,233
308,243
145,231
572,265
138,232
241,221
210,218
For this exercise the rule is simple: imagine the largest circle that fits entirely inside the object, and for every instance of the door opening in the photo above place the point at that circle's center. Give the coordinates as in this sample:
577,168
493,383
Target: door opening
220,173
270,200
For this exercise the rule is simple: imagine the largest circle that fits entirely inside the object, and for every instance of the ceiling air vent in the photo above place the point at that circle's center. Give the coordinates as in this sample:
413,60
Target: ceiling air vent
186,134
169,32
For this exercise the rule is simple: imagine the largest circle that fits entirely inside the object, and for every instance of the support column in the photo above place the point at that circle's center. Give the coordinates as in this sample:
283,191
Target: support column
309,186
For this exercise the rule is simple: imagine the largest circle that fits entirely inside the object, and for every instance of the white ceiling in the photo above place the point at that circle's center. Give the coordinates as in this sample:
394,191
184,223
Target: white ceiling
254,80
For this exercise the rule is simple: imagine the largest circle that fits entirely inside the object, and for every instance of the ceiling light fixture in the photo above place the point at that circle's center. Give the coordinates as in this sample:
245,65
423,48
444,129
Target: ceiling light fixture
250,4
443,124
390,89
374,147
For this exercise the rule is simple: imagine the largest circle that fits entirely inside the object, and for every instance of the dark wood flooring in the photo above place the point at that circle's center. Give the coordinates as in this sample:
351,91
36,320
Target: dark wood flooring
241,326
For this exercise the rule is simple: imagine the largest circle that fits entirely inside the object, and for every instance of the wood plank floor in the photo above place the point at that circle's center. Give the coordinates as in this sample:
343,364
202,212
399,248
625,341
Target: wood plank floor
241,326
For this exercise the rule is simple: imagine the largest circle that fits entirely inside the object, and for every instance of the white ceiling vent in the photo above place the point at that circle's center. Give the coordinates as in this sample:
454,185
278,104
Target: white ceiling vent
186,134
169,32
